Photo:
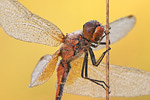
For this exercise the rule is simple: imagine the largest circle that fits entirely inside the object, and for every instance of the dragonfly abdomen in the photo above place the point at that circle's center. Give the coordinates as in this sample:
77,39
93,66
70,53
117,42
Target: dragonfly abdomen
62,73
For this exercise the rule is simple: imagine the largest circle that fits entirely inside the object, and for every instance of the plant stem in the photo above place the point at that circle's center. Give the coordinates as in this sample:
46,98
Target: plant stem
107,46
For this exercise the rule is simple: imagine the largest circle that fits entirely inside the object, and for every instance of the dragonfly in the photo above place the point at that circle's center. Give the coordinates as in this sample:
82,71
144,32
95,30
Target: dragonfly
76,72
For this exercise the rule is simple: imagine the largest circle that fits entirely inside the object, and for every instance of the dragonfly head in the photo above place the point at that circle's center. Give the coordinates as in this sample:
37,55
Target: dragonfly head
93,30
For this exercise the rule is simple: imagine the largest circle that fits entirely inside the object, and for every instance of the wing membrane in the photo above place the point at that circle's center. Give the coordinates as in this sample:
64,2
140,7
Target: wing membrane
124,81
44,69
119,29
21,24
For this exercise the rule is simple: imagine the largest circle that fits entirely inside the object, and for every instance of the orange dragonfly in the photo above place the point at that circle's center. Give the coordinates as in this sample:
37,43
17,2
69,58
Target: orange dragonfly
78,74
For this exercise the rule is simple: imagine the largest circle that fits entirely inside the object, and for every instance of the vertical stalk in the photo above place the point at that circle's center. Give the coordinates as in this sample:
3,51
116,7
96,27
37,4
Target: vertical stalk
107,46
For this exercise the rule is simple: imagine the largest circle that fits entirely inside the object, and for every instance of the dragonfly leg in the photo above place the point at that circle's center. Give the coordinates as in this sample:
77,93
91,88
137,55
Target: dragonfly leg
98,82
62,73
84,73
94,62
104,43
101,43
105,30
84,66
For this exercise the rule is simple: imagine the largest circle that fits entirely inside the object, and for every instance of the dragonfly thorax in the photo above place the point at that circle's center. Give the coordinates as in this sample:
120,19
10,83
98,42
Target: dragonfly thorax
92,31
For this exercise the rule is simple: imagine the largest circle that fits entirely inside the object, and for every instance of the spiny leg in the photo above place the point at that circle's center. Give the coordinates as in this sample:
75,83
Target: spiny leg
85,76
101,43
84,66
105,30
98,82
94,62
62,73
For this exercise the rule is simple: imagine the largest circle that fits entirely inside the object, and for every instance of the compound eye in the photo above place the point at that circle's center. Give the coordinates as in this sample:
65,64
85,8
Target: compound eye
88,30
88,27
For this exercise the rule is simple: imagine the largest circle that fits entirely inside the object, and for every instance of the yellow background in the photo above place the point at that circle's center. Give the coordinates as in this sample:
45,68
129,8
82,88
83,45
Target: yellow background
17,58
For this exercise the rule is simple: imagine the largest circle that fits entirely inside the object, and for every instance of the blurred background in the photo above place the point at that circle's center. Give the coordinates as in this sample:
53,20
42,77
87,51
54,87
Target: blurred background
18,59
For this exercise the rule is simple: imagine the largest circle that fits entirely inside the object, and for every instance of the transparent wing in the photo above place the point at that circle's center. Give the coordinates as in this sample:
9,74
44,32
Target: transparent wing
124,81
119,29
44,69
21,24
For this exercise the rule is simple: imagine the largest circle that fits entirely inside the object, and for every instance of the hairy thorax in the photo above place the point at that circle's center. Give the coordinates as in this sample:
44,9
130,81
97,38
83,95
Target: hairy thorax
74,46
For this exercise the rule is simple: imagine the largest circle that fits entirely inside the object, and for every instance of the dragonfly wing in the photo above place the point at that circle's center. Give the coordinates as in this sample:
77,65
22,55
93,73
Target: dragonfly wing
44,69
124,81
75,84
129,82
119,29
21,24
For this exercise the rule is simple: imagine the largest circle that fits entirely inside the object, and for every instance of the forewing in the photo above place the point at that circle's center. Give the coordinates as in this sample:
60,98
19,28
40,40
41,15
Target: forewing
119,29
44,69
124,81
21,24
